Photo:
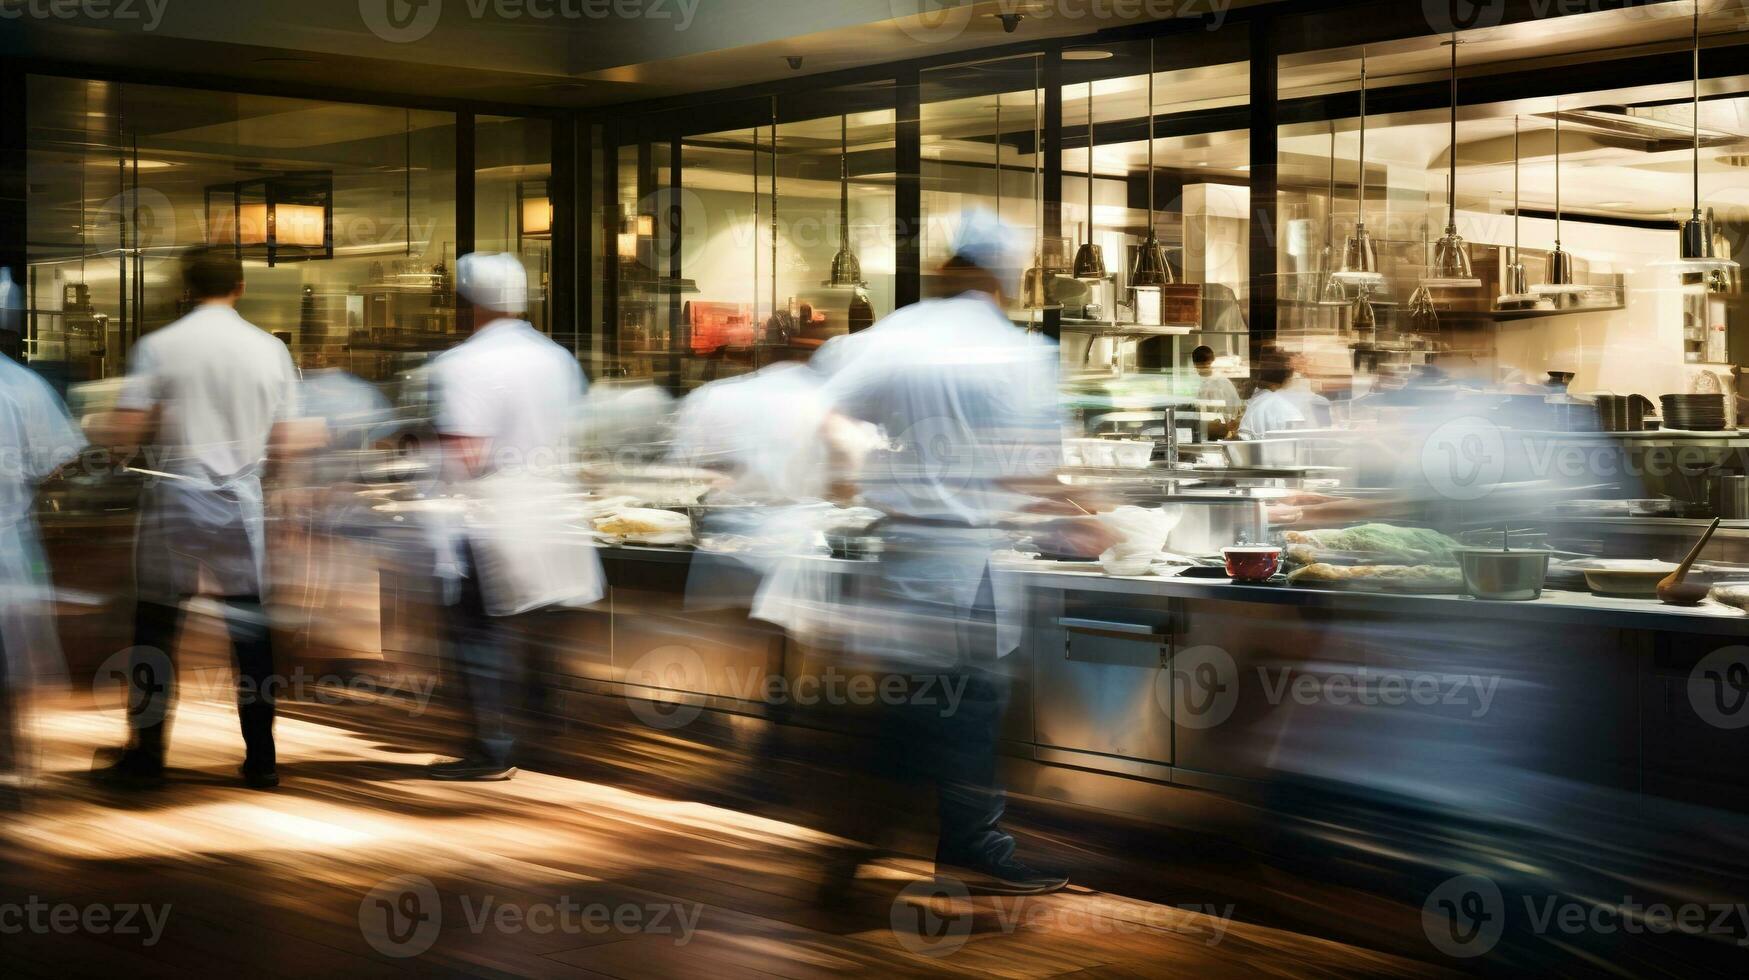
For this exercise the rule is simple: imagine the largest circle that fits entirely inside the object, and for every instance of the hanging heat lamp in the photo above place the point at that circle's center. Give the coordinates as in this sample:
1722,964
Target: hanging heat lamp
1699,250
1090,257
1360,261
1559,280
1515,291
1361,319
1451,255
846,267
1036,290
1150,269
1330,292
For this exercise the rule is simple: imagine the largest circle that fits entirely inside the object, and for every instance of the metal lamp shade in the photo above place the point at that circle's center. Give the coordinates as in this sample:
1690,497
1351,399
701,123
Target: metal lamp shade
1035,290
1423,317
846,269
1560,277
1360,260
1451,263
1361,318
1090,262
1150,267
1515,289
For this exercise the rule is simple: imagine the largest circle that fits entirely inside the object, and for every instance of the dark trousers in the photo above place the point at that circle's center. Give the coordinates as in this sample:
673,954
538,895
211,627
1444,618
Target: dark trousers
11,737
152,677
953,745
481,651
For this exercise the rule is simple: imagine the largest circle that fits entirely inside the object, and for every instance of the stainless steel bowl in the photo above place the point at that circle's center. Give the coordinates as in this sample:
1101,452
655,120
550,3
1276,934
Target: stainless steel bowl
1262,453
1490,573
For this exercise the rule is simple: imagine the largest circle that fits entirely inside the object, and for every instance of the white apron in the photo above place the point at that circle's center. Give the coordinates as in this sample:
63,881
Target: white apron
200,533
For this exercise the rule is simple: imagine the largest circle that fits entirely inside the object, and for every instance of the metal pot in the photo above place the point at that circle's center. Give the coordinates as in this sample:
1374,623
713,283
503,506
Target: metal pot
1490,573
1208,524
1262,453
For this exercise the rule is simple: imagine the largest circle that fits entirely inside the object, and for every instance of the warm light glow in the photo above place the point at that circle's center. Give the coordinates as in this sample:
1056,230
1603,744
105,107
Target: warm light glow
628,245
293,224
537,216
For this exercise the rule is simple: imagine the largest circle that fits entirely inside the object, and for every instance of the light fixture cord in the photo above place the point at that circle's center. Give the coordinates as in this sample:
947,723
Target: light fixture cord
1360,198
1150,139
1697,108
1090,162
1451,187
844,181
1557,176
1515,215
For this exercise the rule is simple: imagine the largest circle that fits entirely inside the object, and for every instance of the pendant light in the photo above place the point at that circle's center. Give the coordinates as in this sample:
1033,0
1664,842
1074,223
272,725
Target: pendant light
1330,292
1559,280
1150,268
846,267
1451,255
1036,289
1515,290
1361,319
1090,257
1699,253
1360,261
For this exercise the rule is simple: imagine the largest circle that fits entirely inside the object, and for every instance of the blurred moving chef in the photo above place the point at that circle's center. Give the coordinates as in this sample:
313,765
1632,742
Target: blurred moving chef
969,405
216,394
1270,410
36,439
506,399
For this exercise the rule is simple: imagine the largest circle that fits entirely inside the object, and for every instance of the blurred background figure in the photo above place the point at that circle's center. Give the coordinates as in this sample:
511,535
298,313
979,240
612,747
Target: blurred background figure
1216,389
1271,409
506,400
216,394
36,439
969,404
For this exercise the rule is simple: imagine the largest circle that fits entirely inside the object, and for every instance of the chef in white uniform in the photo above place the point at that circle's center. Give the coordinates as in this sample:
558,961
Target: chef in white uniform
506,400
220,392
969,404
1270,410
36,438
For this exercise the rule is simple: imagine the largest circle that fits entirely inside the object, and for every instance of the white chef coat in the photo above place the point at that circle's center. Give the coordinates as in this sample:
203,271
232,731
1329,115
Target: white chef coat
512,387
36,438
219,383
968,402
764,428
1219,388
1268,412
1313,407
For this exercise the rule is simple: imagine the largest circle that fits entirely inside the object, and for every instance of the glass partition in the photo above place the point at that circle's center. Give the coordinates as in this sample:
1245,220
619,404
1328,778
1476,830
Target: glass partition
344,216
513,208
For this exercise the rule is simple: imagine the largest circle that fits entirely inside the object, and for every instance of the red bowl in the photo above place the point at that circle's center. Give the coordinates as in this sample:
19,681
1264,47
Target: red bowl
1257,563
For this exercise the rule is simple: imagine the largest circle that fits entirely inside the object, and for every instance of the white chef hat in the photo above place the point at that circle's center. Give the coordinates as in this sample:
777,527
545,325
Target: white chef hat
984,241
493,280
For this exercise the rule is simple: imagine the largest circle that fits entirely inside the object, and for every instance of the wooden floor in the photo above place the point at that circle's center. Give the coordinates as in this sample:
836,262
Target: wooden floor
539,876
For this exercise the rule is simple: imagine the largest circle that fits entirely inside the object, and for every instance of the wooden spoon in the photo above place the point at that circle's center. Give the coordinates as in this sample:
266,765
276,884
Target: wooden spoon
1673,589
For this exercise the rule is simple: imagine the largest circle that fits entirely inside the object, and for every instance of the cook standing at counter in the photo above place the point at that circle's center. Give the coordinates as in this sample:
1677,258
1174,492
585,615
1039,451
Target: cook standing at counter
221,391
1216,389
1270,410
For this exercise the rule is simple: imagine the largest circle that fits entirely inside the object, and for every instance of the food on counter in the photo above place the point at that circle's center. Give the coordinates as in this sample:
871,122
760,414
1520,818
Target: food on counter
1733,594
1429,577
1252,563
1624,578
640,525
1386,543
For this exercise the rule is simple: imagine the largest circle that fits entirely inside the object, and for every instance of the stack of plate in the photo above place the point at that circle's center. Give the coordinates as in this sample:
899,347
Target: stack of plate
1694,413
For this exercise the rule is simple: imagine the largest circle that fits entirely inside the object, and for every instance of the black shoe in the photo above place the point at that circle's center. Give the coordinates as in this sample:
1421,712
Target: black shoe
260,778
1005,877
134,770
470,771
